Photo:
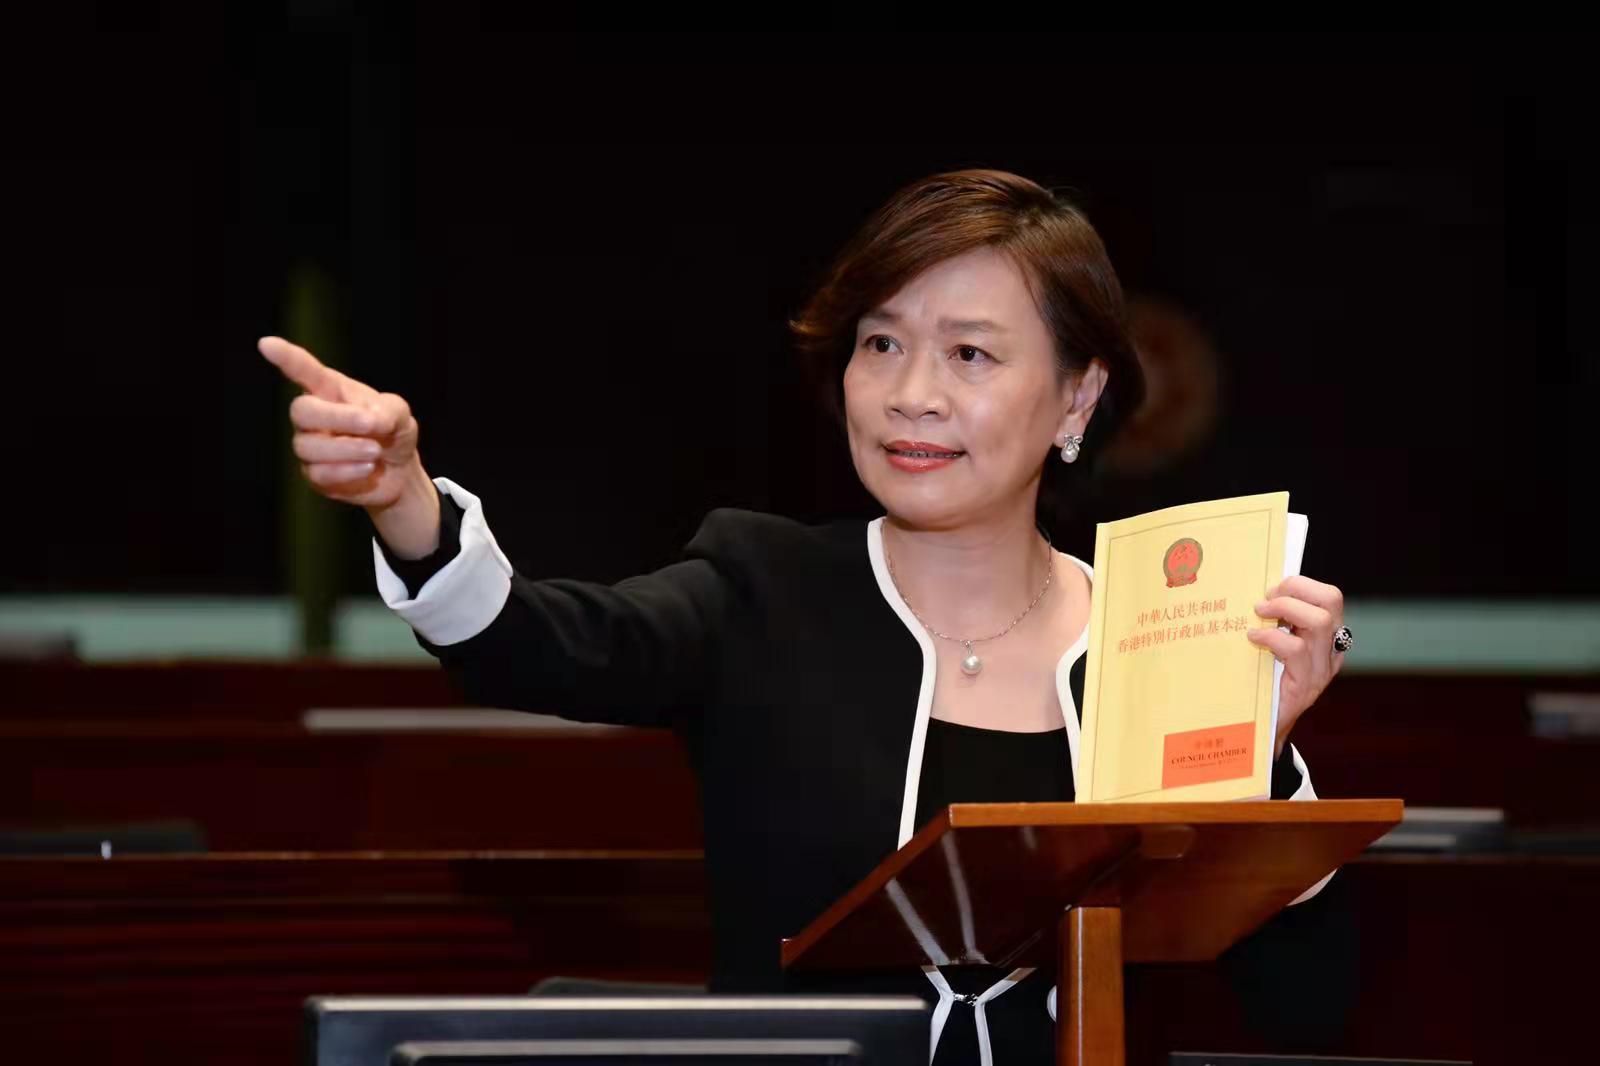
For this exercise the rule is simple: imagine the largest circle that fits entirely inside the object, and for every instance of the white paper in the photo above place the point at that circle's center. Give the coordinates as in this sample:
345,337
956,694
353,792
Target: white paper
1294,550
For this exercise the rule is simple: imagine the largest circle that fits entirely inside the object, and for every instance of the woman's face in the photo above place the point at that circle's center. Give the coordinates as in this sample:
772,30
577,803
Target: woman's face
958,361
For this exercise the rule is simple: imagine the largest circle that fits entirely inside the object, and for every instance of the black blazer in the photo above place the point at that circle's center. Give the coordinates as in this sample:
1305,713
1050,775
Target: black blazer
781,652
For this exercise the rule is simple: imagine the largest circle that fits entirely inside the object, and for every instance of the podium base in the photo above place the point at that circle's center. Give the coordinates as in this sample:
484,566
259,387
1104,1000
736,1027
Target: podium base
1089,1023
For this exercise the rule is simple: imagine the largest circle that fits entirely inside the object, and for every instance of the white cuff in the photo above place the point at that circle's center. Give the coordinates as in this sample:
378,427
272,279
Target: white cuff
465,596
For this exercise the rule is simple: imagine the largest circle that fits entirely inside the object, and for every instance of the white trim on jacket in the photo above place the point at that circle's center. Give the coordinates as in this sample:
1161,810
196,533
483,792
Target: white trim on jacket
930,672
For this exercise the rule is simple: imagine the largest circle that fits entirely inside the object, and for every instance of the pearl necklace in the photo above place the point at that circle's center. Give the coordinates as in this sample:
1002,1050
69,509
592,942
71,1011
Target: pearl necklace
972,664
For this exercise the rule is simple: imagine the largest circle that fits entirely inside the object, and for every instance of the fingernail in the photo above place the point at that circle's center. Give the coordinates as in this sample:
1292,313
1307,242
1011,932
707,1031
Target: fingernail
1261,605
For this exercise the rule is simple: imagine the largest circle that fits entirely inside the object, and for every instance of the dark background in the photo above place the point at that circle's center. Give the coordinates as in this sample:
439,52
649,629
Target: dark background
575,256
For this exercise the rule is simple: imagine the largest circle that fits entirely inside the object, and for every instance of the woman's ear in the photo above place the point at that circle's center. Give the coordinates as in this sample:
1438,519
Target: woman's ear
1081,393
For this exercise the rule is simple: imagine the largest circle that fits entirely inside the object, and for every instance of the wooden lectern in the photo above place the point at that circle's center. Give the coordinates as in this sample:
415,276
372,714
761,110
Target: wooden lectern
1116,882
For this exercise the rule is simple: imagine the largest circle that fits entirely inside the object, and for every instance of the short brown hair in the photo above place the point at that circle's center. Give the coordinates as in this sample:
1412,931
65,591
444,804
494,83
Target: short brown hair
937,218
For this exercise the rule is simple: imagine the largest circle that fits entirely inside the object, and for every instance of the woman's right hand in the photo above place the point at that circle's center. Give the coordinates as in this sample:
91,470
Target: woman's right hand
359,446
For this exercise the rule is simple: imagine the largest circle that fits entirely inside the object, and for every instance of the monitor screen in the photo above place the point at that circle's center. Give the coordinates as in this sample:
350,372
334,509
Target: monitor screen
732,1052
365,1030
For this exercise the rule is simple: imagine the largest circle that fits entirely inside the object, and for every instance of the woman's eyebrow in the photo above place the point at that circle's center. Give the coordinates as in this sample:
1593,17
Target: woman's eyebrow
970,325
945,325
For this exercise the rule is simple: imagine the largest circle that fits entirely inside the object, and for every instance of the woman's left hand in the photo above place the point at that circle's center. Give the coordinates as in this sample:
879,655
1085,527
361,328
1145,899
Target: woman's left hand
1313,611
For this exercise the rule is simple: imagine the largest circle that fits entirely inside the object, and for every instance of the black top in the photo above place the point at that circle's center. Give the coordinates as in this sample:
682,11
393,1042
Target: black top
965,764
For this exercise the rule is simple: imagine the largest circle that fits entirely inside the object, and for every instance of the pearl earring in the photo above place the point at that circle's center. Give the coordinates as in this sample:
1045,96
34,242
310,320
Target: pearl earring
1069,446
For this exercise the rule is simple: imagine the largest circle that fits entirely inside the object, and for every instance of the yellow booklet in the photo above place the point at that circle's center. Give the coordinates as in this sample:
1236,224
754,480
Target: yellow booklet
1177,704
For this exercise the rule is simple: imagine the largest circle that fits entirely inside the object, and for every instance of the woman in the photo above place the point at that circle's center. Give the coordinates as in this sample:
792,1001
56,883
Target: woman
837,684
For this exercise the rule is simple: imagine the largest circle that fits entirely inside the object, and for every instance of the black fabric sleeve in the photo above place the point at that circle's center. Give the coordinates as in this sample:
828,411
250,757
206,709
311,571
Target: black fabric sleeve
643,651
416,572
